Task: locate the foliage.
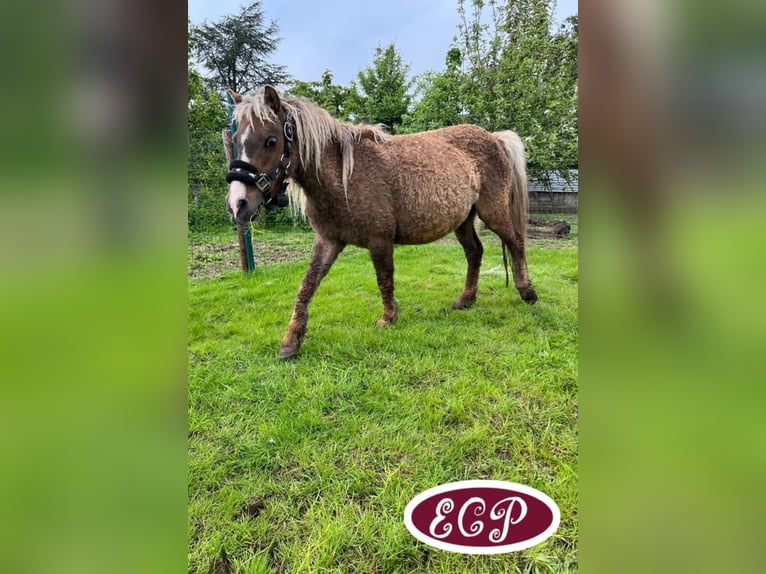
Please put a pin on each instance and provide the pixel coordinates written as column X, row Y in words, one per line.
column 520, row 78
column 306, row 466
column 235, row 49
column 384, row 88
column 508, row 71
column 340, row 101
column 207, row 164
column 205, row 111
column 441, row 102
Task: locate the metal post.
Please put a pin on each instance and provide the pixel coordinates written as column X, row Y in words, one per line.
column 243, row 232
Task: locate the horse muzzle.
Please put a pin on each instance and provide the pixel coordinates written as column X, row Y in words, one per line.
column 242, row 203
column 243, row 175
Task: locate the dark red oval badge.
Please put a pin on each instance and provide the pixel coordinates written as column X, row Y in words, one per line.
column 482, row 517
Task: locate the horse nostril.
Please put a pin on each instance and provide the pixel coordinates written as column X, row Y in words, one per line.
column 241, row 205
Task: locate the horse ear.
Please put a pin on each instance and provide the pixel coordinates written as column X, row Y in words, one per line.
column 271, row 97
column 235, row 96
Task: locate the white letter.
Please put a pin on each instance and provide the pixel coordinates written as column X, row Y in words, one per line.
column 495, row 514
column 476, row 527
column 444, row 507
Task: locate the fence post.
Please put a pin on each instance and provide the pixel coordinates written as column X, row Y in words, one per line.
column 243, row 232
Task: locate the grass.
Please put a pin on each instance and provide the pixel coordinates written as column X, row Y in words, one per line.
column 306, row 466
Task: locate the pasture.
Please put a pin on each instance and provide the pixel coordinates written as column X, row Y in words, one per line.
column 306, row 465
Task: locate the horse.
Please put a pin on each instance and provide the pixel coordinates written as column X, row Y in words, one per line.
column 365, row 187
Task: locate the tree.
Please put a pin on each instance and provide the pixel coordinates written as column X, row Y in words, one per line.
column 521, row 76
column 384, row 96
column 340, row 101
column 206, row 118
column 235, row 49
column 507, row 70
column 440, row 102
column 205, row 112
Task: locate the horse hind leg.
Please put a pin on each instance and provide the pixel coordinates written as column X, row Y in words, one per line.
column 468, row 238
column 499, row 221
column 519, row 266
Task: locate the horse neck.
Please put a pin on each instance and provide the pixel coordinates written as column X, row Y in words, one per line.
column 317, row 184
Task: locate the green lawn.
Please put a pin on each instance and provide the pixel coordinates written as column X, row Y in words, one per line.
column 307, row 465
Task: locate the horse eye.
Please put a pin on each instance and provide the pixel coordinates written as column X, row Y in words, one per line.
column 271, row 142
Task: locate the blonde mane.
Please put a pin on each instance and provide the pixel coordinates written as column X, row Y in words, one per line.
column 315, row 128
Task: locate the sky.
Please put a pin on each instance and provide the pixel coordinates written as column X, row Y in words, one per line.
column 341, row 35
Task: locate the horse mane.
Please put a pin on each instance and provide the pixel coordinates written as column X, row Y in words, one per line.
column 315, row 128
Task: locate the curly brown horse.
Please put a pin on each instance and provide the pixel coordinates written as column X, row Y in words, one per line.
column 364, row 187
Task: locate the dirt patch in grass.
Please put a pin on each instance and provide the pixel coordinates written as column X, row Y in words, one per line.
column 222, row 564
column 548, row 229
column 253, row 508
column 211, row 257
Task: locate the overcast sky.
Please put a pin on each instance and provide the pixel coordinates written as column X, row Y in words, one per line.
column 341, row 35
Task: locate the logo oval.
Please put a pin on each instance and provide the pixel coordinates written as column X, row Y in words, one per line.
column 482, row 517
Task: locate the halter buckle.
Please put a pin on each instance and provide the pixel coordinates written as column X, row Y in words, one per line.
column 263, row 183
column 288, row 129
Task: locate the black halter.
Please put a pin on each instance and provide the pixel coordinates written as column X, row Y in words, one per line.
column 248, row 174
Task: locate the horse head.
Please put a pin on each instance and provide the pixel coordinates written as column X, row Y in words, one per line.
column 263, row 143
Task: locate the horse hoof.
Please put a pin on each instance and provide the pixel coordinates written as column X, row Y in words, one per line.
column 384, row 322
column 530, row 296
column 287, row 353
column 462, row 304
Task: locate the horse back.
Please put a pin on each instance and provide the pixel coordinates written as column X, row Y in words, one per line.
column 412, row 188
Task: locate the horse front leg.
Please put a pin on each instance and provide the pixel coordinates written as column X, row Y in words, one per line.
column 324, row 254
column 382, row 254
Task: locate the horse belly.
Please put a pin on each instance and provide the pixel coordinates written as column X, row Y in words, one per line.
column 418, row 223
column 438, row 185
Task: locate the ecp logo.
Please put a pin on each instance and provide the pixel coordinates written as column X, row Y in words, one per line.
column 482, row 517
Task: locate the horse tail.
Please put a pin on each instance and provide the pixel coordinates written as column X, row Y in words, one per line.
column 519, row 200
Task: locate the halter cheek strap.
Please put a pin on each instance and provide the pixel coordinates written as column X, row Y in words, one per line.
column 248, row 174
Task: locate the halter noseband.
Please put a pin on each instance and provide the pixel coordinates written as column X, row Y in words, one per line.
column 248, row 174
